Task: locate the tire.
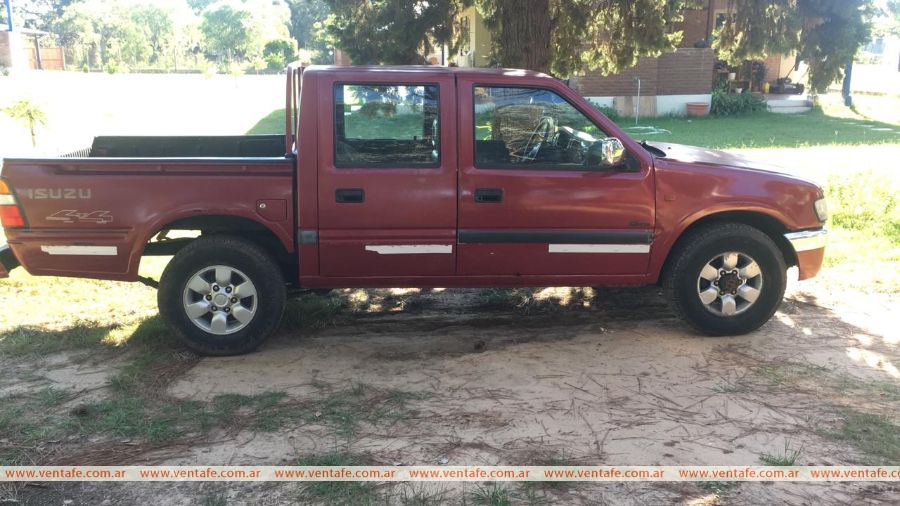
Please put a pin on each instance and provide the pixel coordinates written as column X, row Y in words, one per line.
column 695, row 284
column 245, row 315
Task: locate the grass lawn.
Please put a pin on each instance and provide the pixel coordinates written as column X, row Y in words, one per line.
column 875, row 120
column 767, row 130
column 833, row 125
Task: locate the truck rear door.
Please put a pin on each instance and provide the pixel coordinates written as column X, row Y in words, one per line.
column 387, row 174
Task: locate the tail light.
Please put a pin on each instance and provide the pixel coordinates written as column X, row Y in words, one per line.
column 10, row 214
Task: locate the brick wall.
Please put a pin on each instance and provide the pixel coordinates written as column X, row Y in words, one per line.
column 693, row 26
column 5, row 50
column 594, row 84
column 780, row 65
column 686, row 71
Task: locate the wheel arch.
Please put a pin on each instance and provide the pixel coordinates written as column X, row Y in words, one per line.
column 220, row 224
column 763, row 222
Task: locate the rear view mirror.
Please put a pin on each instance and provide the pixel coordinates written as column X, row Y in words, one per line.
column 606, row 153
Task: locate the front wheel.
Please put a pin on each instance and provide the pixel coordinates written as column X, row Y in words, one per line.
column 222, row 295
column 726, row 279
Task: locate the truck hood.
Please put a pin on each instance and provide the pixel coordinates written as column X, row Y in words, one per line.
column 694, row 154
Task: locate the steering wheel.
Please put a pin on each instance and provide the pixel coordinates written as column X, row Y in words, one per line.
column 540, row 135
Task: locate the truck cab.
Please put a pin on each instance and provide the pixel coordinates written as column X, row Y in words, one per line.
column 414, row 177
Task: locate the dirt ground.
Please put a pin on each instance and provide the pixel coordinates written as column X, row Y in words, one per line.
column 547, row 377
column 567, row 376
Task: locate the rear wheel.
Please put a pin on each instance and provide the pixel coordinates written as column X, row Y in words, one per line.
column 726, row 279
column 222, row 295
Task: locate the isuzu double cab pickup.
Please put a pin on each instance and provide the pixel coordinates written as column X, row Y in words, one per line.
column 413, row 177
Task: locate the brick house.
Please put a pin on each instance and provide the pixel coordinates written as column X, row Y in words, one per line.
column 667, row 82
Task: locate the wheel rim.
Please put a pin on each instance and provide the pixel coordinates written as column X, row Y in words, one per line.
column 729, row 283
column 220, row 300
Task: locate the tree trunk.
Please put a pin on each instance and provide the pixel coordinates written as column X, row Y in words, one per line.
column 523, row 40
column 33, row 133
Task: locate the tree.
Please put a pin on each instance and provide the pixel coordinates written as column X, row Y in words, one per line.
column 888, row 24
column 199, row 6
column 390, row 31
column 104, row 30
column 240, row 28
column 37, row 14
column 157, row 26
column 566, row 37
column 307, row 16
column 29, row 113
column 825, row 34
column 227, row 30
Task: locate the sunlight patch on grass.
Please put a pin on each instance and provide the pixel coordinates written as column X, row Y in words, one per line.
column 94, row 312
column 864, row 241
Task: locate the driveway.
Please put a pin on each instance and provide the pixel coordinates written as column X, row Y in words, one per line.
column 574, row 376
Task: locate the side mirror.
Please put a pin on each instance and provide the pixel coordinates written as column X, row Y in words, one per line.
column 606, row 153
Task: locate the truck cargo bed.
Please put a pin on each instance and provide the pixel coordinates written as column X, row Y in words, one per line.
column 243, row 146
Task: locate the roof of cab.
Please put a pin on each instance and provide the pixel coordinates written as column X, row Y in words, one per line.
column 422, row 69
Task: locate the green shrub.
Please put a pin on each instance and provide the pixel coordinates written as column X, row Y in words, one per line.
column 609, row 112
column 111, row 67
column 729, row 104
column 275, row 61
column 85, row 68
column 865, row 202
column 278, row 53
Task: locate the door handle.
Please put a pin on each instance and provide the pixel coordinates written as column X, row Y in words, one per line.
column 489, row 195
column 349, row 195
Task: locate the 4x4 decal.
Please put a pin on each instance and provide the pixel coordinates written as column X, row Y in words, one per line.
column 74, row 216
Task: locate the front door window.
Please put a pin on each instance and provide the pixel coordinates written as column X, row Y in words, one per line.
column 531, row 127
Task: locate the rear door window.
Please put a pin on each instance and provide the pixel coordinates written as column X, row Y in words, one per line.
column 386, row 125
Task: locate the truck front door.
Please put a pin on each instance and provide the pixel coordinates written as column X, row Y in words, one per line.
column 387, row 175
column 532, row 198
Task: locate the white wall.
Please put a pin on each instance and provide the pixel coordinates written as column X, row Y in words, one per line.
column 676, row 104
column 665, row 104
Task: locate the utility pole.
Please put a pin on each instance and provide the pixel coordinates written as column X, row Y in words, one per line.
column 9, row 23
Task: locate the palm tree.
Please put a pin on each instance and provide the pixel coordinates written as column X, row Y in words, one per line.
column 28, row 112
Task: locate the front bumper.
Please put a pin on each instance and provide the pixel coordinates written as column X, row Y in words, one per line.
column 8, row 261
column 809, row 246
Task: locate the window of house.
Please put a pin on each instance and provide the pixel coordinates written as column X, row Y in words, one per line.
column 518, row 127
column 386, row 125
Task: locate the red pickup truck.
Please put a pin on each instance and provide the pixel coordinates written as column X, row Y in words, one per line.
column 413, row 177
